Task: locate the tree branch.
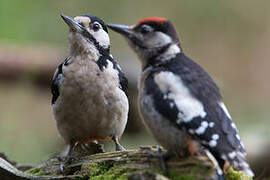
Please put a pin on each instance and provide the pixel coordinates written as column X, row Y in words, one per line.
column 130, row 165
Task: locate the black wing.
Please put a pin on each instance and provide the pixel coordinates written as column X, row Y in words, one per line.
column 123, row 80
column 57, row 79
column 203, row 88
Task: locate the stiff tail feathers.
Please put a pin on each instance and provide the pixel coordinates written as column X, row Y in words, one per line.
column 239, row 162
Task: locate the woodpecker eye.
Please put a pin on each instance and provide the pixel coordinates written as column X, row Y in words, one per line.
column 145, row 29
column 96, row 26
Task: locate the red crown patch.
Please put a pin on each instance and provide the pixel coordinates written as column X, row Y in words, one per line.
column 156, row 19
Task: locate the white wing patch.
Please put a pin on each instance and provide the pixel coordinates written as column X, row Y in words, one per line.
column 214, row 140
column 222, row 105
column 232, row 154
column 213, row 143
column 189, row 107
column 211, row 124
column 201, row 129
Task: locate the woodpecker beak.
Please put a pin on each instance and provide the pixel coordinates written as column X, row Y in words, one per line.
column 122, row 29
column 73, row 25
column 129, row 33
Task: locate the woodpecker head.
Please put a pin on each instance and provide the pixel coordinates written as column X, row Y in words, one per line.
column 151, row 38
column 87, row 34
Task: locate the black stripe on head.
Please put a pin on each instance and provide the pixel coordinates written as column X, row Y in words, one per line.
column 165, row 26
column 152, row 59
column 96, row 19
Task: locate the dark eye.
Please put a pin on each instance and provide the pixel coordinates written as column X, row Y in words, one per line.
column 96, row 27
column 145, row 29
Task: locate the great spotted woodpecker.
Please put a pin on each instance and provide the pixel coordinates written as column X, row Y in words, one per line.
column 179, row 102
column 89, row 89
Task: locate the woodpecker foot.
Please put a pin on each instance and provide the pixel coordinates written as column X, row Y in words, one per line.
column 118, row 146
column 65, row 161
column 163, row 157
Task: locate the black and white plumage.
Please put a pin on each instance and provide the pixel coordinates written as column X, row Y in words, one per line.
column 179, row 102
column 89, row 89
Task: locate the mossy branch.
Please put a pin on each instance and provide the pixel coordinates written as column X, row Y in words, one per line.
column 126, row 165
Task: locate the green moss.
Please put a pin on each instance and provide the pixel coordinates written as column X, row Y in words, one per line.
column 80, row 178
column 186, row 173
column 185, row 177
column 35, row 171
column 103, row 177
column 112, row 170
column 182, row 176
column 109, row 177
column 107, row 170
column 177, row 175
column 123, row 177
column 236, row 175
column 190, row 173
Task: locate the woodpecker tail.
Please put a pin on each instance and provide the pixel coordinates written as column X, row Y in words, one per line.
column 237, row 159
column 239, row 162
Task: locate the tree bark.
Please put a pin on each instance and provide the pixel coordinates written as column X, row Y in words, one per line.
column 125, row 165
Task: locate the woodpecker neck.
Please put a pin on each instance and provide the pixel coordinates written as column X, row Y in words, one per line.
column 79, row 45
column 164, row 55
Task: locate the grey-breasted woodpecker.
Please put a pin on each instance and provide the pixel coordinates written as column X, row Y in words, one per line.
column 179, row 102
column 89, row 89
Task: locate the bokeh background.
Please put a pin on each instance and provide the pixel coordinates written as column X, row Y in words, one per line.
column 230, row 39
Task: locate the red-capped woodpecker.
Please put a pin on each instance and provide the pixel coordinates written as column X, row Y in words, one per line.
column 179, row 102
column 89, row 89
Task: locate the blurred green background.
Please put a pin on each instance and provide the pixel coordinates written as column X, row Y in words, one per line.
column 230, row 39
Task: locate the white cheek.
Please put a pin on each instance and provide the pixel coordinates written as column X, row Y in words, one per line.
column 102, row 38
column 158, row 39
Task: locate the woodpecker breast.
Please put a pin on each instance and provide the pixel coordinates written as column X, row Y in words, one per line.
column 91, row 103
